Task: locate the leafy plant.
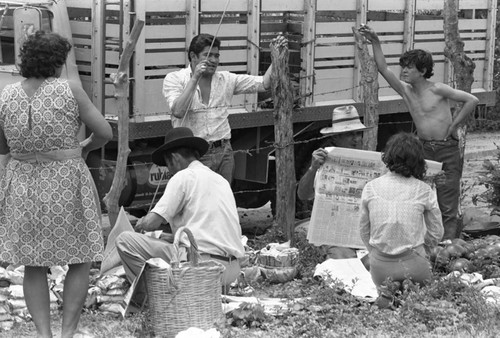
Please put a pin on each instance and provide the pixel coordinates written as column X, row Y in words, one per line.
column 491, row 181
column 248, row 315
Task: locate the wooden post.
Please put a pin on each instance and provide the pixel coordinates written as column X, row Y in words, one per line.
column 463, row 66
column 369, row 86
column 120, row 81
column 253, row 51
column 283, row 131
column 361, row 18
column 307, row 68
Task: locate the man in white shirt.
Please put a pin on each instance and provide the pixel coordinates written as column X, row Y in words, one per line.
column 195, row 197
column 198, row 97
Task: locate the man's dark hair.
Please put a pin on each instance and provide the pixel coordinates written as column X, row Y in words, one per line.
column 420, row 58
column 201, row 41
column 42, row 54
column 184, row 152
column 404, row 155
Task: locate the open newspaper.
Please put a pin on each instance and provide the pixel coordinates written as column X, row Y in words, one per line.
column 337, row 197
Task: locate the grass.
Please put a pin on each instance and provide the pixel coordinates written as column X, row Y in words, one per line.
column 444, row 308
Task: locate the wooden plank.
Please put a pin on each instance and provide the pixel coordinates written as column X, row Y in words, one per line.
column 334, row 64
column 164, row 5
column 439, row 36
column 334, row 52
column 153, row 98
column 168, row 46
column 282, row 5
column 79, row 3
column 328, row 81
column 164, row 59
column 361, row 19
column 225, row 31
column 139, row 61
column 387, row 27
column 174, row 58
column 220, row 5
column 81, row 42
column 326, row 5
column 331, row 40
column 463, row 4
column 335, row 28
column 386, row 5
column 308, row 52
column 192, row 23
column 165, row 31
column 488, row 68
column 463, row 25
column 97, row 56
column 253, row 53
column 409, row 25
column 80, row 27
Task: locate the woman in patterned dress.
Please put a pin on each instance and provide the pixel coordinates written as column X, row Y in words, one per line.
column 49, row 210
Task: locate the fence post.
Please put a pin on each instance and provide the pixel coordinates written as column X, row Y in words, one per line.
column 369, row 85
column 283, row 132
column 120, row 81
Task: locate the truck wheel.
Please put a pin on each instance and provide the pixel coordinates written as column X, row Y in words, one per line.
column 103, row 173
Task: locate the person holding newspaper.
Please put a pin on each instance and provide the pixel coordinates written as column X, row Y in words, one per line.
column 346, row 132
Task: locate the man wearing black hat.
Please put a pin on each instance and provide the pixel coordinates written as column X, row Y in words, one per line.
column 195, row 197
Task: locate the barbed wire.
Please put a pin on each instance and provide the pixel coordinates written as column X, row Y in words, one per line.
column 297, row 97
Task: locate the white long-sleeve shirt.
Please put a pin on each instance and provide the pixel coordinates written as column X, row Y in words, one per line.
column 399, row 213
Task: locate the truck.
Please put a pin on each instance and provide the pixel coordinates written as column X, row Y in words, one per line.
column 324, row 70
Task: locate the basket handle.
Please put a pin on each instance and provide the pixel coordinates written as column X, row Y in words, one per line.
column 193, row 255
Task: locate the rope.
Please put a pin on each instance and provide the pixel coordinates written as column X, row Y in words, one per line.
column 209, row 51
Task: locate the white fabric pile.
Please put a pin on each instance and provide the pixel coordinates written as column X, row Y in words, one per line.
column 12, row 303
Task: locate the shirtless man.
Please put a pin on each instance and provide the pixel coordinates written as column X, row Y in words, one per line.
column 428, row 103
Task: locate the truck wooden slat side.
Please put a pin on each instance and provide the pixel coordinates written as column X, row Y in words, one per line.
column 324, row 69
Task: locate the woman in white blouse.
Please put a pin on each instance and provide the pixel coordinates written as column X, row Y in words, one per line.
column 400, row 217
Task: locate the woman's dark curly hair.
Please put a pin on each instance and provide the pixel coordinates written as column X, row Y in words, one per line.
column 419, row 58
column 404, row 155
column 42, row 54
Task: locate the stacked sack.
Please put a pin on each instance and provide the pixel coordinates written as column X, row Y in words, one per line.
column 109, row 293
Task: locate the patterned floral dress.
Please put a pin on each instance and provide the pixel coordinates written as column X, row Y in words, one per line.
column 49, row 211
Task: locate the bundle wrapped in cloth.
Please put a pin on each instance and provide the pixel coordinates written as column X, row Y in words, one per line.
column 278, row 262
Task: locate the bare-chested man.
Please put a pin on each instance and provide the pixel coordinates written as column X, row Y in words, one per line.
column 428, row 104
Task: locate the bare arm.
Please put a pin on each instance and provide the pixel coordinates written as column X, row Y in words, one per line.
column 92, row 118
column 305, row 190
column 433, row 222
column 152, row 221
column 379, row 57
column 468, row 100
column 364, row 220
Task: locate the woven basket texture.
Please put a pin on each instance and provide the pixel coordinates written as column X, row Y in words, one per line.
column 185, row 295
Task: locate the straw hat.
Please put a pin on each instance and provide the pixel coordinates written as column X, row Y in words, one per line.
column 344, row 120
column 179, row 137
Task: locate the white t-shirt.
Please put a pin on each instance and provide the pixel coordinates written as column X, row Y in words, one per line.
column 202, row 200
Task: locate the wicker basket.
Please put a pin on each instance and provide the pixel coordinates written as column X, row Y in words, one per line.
column 185, row 295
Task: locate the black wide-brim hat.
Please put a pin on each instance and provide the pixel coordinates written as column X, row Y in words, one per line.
column 179, row 137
